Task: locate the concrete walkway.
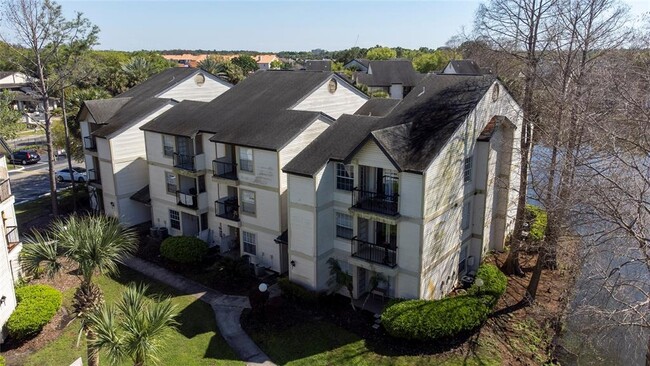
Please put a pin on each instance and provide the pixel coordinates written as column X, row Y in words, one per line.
column 227, row 309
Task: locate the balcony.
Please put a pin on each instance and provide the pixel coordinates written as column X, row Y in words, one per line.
column 89, row 143
column 12, row 237
column 385, row 254
column 224, row 168
column 386, row 204
column 188, row 200
column 5, row 190
column 185, row 162
column 94, row 176
column 228, row 208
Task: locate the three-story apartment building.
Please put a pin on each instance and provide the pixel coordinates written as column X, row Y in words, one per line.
column 215, row 168
column 10, row 246
column 417, row 191
column 114, row 145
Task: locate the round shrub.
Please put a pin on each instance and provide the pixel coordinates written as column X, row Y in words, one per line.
column 183, row 249
column 494, row 283
column 427, row 320
column 3, row 362
column 37, row 304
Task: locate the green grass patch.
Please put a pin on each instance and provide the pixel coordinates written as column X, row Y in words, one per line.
column 323, row 343
column 195, row 342
column 28, row 211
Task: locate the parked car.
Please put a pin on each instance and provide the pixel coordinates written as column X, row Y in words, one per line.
column 78, row 174
column 25, row 157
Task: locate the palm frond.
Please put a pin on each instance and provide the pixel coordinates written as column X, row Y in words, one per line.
column 95, row 243
column 40, row 254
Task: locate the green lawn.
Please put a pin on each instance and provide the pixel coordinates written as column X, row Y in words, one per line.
column 323, row 343
column 28, row 211
column 195, row 342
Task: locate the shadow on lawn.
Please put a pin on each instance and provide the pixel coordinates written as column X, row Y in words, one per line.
column 291, row 332
column 194, row 319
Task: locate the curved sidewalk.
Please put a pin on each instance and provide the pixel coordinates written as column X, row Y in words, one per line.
column 227, row 309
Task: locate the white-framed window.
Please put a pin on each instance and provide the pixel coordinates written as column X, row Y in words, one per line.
column 344, row 177
column 343, row 225
column 246, row 159
column 467, row 206
column 175, row 219
column 248, row 201
column 250, row 242
column 170, row 180
column 467, row 170
column 168, row 145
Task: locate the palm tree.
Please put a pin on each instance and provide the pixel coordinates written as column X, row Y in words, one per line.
column 138, row 69
column 222, row 68
column 340, row 279
column 212, row 64
column 94, row 244
column 133, row 328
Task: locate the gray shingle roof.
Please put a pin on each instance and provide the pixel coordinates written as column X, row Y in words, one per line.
column 179, row 120
column 130, row 113
column 142, row 196
column 159, row 82
column 412, row 134
column 335, row 143
column 377, row 107
column 465, row 67
column 318, row 65
column 256, row 111
column 103, row 109
column 388, row 72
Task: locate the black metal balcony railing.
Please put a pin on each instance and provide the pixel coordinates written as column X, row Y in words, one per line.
column 376, row 202
column 5, row 190
column 385, row 254
column 224, row 168
column 12, row 237
column 89, row 143
column 185, row 162
column 187, row 199
column 227, row 208
column 93, row 176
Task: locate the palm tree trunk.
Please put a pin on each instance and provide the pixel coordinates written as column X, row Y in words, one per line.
column 93, row 353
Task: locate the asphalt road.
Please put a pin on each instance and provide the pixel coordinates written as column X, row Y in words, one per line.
column 33, row 181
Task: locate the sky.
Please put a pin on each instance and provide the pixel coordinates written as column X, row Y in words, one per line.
column 279, row 26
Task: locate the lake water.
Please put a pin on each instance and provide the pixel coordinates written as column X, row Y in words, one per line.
column 585, row 341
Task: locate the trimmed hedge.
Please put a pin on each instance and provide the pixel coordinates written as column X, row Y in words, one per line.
column 37, row 305
column 431, row 320
column 296, row 292
column 538, row 222
column 183, row 249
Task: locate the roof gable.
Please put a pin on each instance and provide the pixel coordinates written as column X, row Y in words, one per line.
column 345, row 98
column 191, row 88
